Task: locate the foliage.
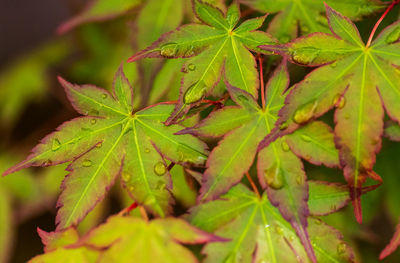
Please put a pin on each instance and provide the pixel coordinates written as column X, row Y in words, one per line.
column 205, row 152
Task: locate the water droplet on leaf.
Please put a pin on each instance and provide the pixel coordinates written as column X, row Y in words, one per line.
column 285, row 146
column 273, row 177
column 191, row 67
column 341, row 248
column 93, row 121
column 87, row 163
column 55, row 145
column 150, row 200
column 283, row 126
column 147, row 150
column 104, row 96
column 194, row 93
column 305, row 113
column 279, row 230
column 169, row 50
column 126, row 176
column 333, row 65
column 131, row 188
column 160, row 185
column 305, row 138
column 160, row 169
column 305, row 56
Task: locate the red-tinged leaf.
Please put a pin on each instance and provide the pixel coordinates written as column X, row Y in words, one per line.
column 59, row 247
column 99, row 10
column 392, row 131
column 326, row 198
column 280, row 171
column 216, row 45
column 113, row 139
column 131, row 239
column 314, row 143
column 258, row 232
column 392, row 246
column 303, row 17
column 360, row 82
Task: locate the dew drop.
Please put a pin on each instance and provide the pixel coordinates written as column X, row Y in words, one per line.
column 305, row 56
column 160, row 185
column 194, row 93
column 299, row 180
column 104, row 96
column 341, row 102
column 150, row 200
column 279, row 230
column 94, row 113
column 147, row 150
column 393, row 36
column 169, row 50
column 341, row 248
column 93, row 121
column 305, row 138
column 99, row 144
column 285, row 146
column 55, row 145
column 131, row 188
column 273, row 177
column 333, row 65
column 318, row 221
column 126, row 176
column 267, row 226
column 305, row 113
column 87, row 163
column 191, row 67
column 305, row 29
column 160, row 169
column 283, row 126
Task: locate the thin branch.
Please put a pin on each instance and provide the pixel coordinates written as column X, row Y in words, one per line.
column 143, row 213
column 253, row 185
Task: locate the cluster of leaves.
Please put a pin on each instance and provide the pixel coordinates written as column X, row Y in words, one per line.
column 224, row 117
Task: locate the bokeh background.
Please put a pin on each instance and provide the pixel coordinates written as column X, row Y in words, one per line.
column 32, row 104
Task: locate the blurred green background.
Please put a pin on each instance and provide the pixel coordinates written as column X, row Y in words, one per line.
column 32, row 104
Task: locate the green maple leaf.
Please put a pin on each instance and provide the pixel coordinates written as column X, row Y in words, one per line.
column 280, row 171
column 58, row 248
column 216, row 44
column 131, row 239
column 113, row 139
column 392, row 131
column 308, row 15
column 360, row 80
column 259, row 233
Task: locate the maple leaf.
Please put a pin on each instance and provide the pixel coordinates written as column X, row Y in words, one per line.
column 216, row 44
column 392, row 246
column 308, row 15
column 259, row 233
column 58, row 248
column 280, row 171
column 131, row 239
column 99, row 10
column 360, row 80
column 113, row 139
column 392, row 131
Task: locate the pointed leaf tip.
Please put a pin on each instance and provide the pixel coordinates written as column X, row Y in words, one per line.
column 393, row 245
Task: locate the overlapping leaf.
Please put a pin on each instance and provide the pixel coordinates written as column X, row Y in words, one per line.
column 218, row 43
column 131, row 239
column 308, row 15
column 359, row 80
column 99, row 10
column 280, row 171
column 258, row 232
column 392, row 246
column 58, row 248
column 112, row 139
